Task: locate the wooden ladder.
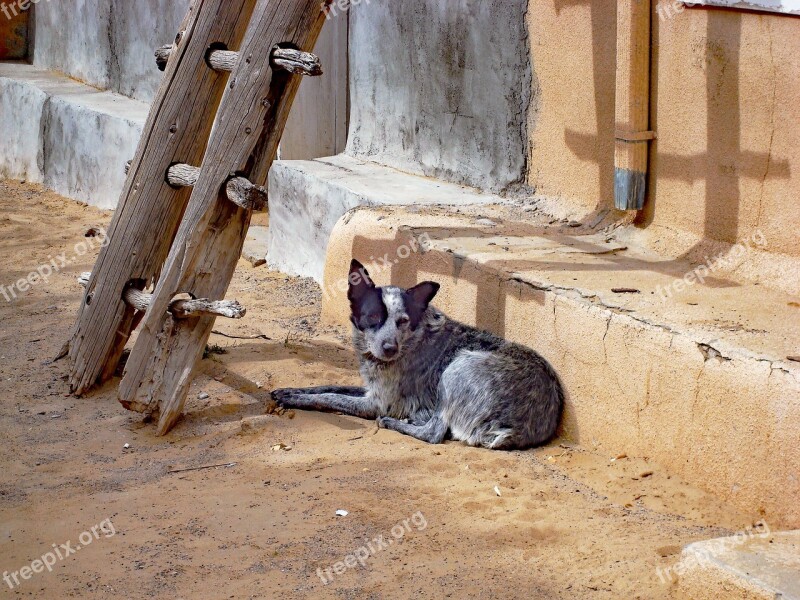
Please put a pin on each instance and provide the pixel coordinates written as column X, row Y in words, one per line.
column 179, row 227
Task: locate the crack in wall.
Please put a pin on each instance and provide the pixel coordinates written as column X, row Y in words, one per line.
column 706, row 348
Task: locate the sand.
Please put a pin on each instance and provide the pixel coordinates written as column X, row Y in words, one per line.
column 456, row 522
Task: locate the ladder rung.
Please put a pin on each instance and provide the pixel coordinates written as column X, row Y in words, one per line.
column 219, row 60
column 223, row 60
column 180, row 309
column 238, row 189
column 296, row 61
column 162, row 56
column 181, row 175
column 288, row 59
column 249, row 196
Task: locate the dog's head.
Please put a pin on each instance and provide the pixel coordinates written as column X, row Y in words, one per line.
column 386, row 318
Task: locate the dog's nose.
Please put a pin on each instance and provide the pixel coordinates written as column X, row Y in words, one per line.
column 389, row 349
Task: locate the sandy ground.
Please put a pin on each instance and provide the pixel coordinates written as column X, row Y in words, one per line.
column 457, row 522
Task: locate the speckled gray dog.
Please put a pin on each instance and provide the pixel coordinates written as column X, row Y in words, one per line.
column 430, row 377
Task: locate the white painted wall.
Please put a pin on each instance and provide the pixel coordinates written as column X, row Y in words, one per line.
column 107, row 44
column 442, row 89
column 317, row 125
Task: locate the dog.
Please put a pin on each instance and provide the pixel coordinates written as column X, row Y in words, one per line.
column 433, row 378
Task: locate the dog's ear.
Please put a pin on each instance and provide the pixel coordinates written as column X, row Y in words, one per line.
column 422, row 294
column 359, row 280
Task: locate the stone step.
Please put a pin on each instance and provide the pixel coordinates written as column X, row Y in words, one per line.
column 695, row 376
column 308, row 197
column 71, row 137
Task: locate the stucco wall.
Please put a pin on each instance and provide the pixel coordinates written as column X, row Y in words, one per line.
column 108, row 44
column 725, row 104
column 441, row 88
column 727, row 111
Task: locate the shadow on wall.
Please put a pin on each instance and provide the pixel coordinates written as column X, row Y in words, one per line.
column 491, row 292
column 598, row 148
column 721, row 167
column 724, row 163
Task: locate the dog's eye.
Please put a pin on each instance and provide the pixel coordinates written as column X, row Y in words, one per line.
column 402, row 320
column 374, row 320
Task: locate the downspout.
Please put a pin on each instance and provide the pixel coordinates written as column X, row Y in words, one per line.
column 632, row 104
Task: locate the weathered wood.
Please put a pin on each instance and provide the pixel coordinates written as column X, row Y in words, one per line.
column 239, row 190
column 150, row 210
column 288, row 59
column 223, row 60
column 243, row 193
column 181, row 175
column 181, row 308
column 208, row 245
column 219, row 60
column 296, row 61
column 188, row 309
column 162, row 56
column 632, row 104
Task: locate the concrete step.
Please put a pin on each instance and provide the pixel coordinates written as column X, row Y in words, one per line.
column 308, row 197
column 752, row 565
column 695, row 376
column 71, row 137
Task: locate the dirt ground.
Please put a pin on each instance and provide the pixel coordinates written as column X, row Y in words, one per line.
column 456, row 522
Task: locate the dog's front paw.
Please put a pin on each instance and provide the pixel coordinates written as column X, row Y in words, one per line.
column 283, row 396
column 383, row 422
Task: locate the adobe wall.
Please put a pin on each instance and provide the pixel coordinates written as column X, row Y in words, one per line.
column 725, row 105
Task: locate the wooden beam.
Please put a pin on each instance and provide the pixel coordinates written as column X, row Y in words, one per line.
column 181, row 175
column 247, row 195
column 209, row 242
column 238, row 189
column 297, row 62
column 181, row 308
column 223, row 60
column 288, row 59
column 149, row 210
column 632, row 104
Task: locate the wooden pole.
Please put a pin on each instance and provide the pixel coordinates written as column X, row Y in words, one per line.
column 149, row 209
column 208, row 244
column 632, row 104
